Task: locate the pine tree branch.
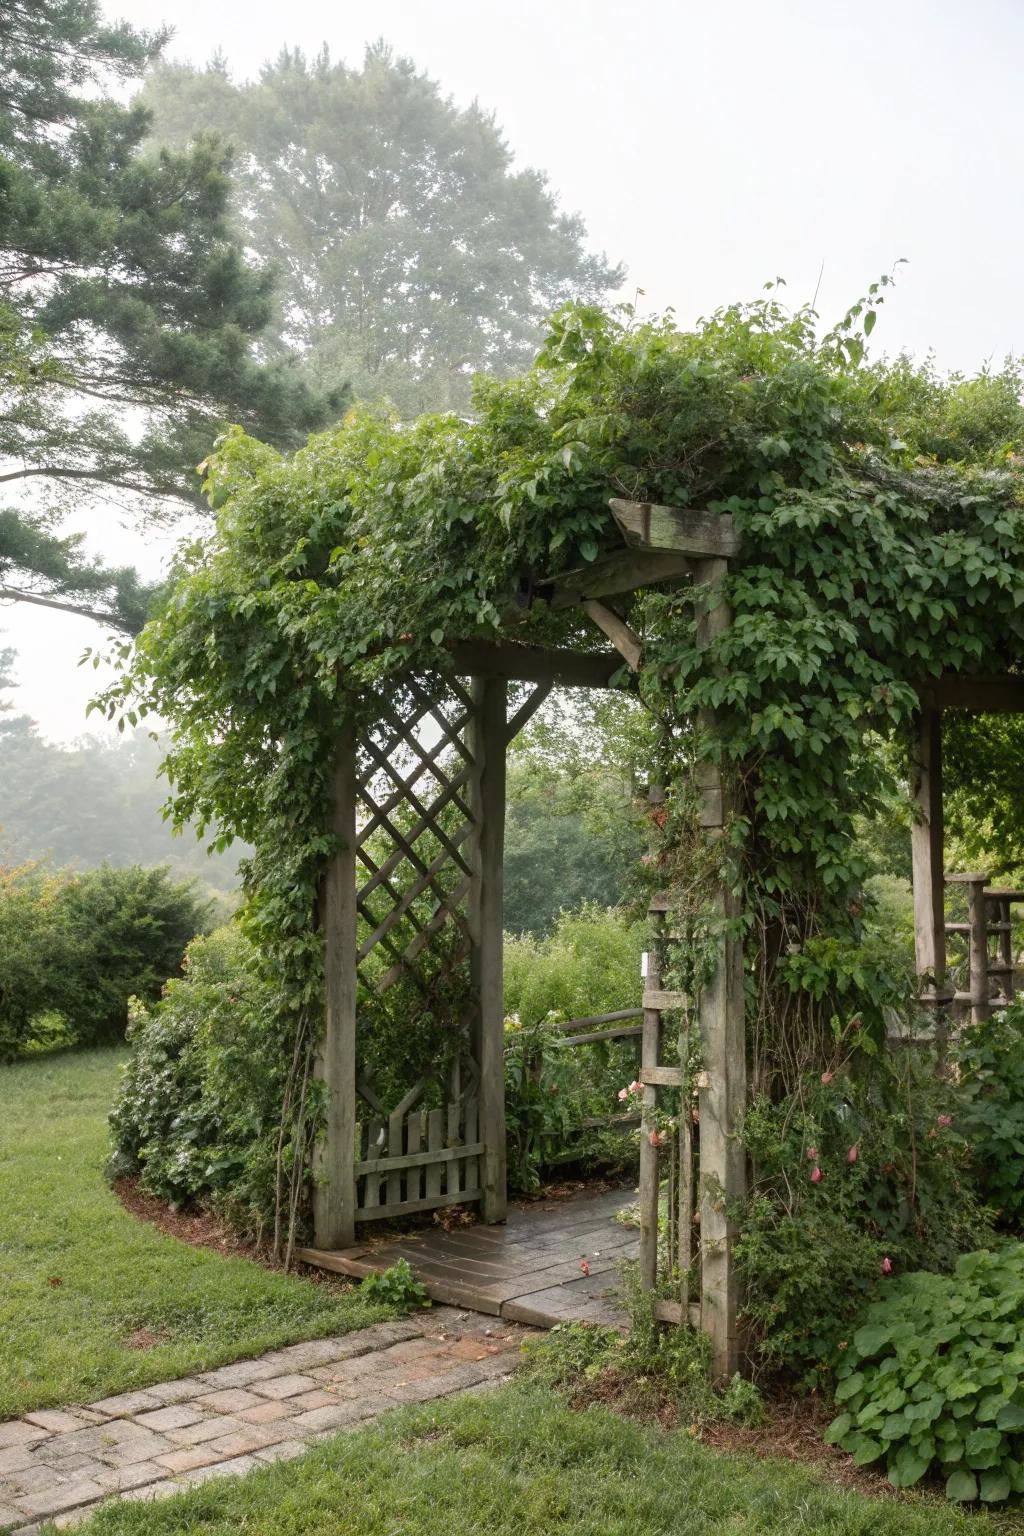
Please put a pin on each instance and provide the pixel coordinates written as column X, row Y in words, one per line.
column 13, row 595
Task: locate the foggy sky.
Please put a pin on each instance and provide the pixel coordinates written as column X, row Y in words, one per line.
column 710, row 146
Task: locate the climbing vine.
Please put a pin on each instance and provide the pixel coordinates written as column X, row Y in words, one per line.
column 881, row 511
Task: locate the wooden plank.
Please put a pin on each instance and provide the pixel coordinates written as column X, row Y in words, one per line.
column 435, row 1143
column 926, row 847
column 662, row 1077
column 488, row 732
column 657, row 997
column 625, row 640
column 419, row 1159
column 683, row 530
column 1001, row 694
column 454, row 1182
column 978, row 919
column 620, row 574
column 334, row 1186
column 535, row 663
column 592, row 1019
column 471, row 1170
column 415, row 1126
column 412, row 1207
column 623, row 1033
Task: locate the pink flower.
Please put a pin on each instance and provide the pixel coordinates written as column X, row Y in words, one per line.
column 812, row 1154
column 584, row 1267
column 815, row 1174
column 944, row 1120
column 623, row 1095
column 635, row 1087
column 932, row 1134
column 654, row 1139
column 886, row 1265
column 851, row 1156
column 827, row 1077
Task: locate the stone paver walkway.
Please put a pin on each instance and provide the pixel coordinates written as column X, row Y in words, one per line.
column 58, row 1464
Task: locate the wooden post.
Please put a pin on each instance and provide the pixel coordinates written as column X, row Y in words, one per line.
column 334, row 1189
column 926, row 839
column 977, row 922
column 650, row 1172
column 487, row 739
column 721, row 1017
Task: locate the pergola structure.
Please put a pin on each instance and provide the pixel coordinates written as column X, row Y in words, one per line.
column 418, row 813
column 419, row 819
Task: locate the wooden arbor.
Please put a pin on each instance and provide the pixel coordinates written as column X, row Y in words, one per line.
column 416, row 889
column 988, row 909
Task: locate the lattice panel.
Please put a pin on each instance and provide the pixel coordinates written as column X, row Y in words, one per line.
column 414, row 826
column 415, row 848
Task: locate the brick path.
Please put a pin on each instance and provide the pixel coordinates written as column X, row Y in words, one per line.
column 59, row 1464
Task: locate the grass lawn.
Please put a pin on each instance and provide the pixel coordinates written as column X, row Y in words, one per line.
column 519, row 1463
column 79, row 1276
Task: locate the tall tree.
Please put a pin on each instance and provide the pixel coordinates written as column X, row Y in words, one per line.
column 413, row 253
column 130, row 318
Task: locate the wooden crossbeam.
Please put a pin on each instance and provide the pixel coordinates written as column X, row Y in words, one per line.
column 618, row 575
column 535, row 663
column 682, row 530
column 984, row 695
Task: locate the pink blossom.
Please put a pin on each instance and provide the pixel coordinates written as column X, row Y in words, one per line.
column 851, row 1156
column 815, row 1174
column 886, row 1265
column 623, row 1095
column 654, row 1139
column 812, row 1154
column 584, row 1267
column 635, row 1087
column 827, row 1077
column 944, row 1120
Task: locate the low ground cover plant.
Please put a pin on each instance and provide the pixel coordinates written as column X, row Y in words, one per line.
column 934, row 1379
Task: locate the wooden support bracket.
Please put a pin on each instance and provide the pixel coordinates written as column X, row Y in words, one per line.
column 625, row 640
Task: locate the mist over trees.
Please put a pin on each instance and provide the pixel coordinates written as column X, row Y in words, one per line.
column 129, row 314
column 412, row 253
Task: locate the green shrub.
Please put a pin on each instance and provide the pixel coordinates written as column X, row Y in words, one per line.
column 865, row 1167
column 590, row 964
column 74, row 948
column 934, row 1379
column 990, row 1062
column 199, row 1104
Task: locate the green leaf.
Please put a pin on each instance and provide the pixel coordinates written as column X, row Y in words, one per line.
column 962, row 1486
column 838, row 1428
column 589, row 549
column 1010, row 1417
column 870, row 1340
column 995, row 1486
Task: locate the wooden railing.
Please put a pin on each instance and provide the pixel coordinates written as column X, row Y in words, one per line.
column 989, row 916
column 621, row 1031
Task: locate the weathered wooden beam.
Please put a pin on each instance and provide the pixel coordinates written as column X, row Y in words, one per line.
column 535, row 663
column 625, row 640
column 488, row 734
column 926, row 846
column 989, row 695
column 618, row 575
column 334, row 1187
column 682, row 530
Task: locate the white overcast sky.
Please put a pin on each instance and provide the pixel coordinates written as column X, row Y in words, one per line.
column 708, row 144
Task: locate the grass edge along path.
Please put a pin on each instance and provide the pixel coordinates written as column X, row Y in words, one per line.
column 517, row 1461
column 82, row 1281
